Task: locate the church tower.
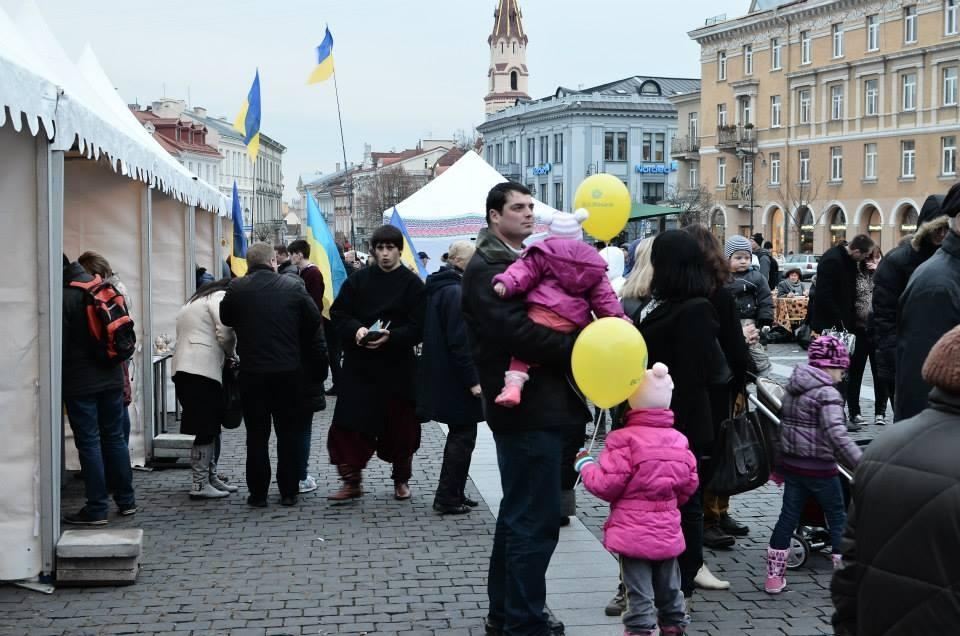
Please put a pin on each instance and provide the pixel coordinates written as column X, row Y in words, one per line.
column 507, row 77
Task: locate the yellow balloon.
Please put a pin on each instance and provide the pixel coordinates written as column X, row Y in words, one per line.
column 608, row 201
column 609, row 361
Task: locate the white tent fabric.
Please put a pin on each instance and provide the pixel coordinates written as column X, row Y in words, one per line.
column 451, row 207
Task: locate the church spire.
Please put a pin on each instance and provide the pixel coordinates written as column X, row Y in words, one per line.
column 507, row 75
column 508, row 22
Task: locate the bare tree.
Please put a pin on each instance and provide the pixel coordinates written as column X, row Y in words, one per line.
column 380, row 190
column 795, row 199
column 694, row 204
column 467, row 140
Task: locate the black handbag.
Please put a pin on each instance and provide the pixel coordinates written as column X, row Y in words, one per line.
column 232, row 408
column 741, row 460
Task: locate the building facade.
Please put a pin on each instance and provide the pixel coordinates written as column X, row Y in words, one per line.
column 624, row 128
column 823, row 119
column 508, row 75
column 189, row 142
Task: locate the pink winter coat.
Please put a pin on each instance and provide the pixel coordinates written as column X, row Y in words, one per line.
column 646, row 472
column 566, row 276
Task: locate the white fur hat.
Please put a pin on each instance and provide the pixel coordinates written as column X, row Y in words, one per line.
column 565, row 225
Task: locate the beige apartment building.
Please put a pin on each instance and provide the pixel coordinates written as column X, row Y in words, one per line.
column 822, row 119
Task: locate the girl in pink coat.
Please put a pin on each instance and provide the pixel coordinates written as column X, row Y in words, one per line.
column 646, row 472
column 564, row 280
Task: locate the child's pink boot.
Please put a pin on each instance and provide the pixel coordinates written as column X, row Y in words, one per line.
column 513, row 382
column 776, row 568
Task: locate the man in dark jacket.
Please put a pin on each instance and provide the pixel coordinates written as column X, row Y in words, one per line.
column 276, row 321
column 376, row 393
column 764, row 258
column 891, row 279
column 929, row 307
column 285, row 264
column 529, row 437
column 93, row 396
column 448, row 388
column 900, row 550
column 837, row 284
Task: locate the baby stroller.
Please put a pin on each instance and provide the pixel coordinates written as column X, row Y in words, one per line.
column 812, row 534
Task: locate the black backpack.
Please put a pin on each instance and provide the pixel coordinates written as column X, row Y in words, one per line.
column 774, row 278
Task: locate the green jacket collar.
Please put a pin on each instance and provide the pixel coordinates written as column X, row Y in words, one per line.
column 492, row 249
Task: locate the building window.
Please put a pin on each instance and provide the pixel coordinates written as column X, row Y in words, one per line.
column 950, row 86
column 659, row 145
column 775, row 54
column 748, row 59
column 805, row 106
column 721, row 114
column 499, row 153
column 908, row 159
column 544, row 149
column 621, row 146
column 721, row 66
column 804, row 166
column 908, row 82
column 513, row 80
column 870, row 161
column 745, row 108
column 950, row 17
column 948, row 147
column 558, row 196
column 910, row 24
column 490, row 154
column 873, row 32
column 558, row 148
column 531, row 151
column 805, row 47
column 836, row 102
column 836, row 163
column 693, row 126
column 615, row 146
column 646, row 153
column 692, row 176
column 511, row 153
column 837, row 31
column 721, row 172
column 775, row 111
column 872, row 89
column 774, row 168
column 652, row 193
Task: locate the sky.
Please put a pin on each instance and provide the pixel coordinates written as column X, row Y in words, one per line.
column 407, row 70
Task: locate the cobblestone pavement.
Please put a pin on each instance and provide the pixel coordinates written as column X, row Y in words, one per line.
column 375, row 566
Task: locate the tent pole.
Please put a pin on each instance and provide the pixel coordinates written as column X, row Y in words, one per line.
column 189, row 249
column 50, row 329
column 146, row 320
column 217, row 246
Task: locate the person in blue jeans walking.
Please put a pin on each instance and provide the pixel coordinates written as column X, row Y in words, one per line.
column 93, row 396
column 530, row 436
column 813, row 435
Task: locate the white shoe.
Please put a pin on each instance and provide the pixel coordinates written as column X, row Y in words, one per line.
column 308, row 485
column 707, row 581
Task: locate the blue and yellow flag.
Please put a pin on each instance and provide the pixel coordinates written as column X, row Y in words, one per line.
column 409, row 254
column 248, row 121
column 324, row 67
column 324, row 254
column 238, row 254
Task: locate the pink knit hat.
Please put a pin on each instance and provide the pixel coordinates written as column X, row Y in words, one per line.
column 568, row 226
column 827, row 352
column 656, row 391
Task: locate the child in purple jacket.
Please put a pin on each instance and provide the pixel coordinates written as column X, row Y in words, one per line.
column 646, row 472
column 564, row 279
column 813, row 435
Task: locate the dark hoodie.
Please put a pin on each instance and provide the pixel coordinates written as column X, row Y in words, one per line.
column 84, row 373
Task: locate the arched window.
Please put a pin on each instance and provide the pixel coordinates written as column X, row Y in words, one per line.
column 514, row 46
column 501, row 47
column 650, row 88
column 838, row 226
column 513, row 80
column 806, row 230
column 908, row 220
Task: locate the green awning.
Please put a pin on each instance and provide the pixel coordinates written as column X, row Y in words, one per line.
column 647, row 211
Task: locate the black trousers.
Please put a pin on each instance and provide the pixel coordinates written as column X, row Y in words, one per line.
column 457, row 453
column 266, row 398
column 334, row 351
column 864, row 350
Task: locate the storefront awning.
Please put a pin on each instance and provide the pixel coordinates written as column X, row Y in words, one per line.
column 647, row 211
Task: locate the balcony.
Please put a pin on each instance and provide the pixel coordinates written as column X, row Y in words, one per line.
column 510, row 171
column 740, row 139
column 738, row 194
column 685, row 148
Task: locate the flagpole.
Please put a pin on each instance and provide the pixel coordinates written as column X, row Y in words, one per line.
column 343, row 147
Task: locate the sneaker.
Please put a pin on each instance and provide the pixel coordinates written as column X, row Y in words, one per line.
column 467, row 501
column 84, row 518
column 880, row 420
column 128, row 510
column 706, row 580
column 308, row 485
column 853, row 425
column 617, row 605
column 715, row 538
column 460, row 509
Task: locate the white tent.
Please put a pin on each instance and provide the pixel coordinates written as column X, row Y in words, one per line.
column 451, row 207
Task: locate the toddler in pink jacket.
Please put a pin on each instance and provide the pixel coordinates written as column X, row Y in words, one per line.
column 646, row 472
column 565, row 282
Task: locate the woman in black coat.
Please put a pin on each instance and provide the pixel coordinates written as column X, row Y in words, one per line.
column 449, row 387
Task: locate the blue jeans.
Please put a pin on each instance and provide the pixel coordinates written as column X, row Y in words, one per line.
column 97, row 424
column 797, row 489
column 528, row 528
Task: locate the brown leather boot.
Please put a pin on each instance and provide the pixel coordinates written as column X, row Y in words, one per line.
column 351, row 488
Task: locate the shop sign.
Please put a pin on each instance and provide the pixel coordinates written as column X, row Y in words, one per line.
column 542, row 169
column 657, row 168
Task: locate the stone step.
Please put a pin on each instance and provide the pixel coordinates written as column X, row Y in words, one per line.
column 100, row 576
column 173, row 440
column 105, row 563
column 101, row 543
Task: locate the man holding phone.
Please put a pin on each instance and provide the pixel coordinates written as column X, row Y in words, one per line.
column 378, row 317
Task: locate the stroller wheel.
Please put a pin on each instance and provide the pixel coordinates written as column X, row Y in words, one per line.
column 799, row 551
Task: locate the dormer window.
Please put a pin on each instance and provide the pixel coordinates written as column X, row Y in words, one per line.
column 650, row 88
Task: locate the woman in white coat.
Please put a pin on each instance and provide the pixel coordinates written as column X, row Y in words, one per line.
column 203, row 343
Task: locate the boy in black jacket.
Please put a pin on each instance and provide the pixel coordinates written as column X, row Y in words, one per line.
column 752, row 293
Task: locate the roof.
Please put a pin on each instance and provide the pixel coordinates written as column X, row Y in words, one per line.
column 225, row 129
column 647, row 211
column 632, row 85
column 171, row 144
column 508, row 21
column 452, row 156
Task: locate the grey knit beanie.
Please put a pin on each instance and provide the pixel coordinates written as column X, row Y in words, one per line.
column 737, row 243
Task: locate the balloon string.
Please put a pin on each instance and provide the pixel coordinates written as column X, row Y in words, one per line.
column 593, row 440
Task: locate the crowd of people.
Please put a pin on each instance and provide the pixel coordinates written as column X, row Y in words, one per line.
column 489, row 337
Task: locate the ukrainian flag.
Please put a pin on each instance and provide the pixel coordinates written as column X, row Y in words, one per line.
column 248, row 121
column 238, row 255
column 324, row 68
column 324, row 254
column 409, row 254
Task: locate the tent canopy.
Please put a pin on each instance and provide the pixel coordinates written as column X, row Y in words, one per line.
column 647, row 211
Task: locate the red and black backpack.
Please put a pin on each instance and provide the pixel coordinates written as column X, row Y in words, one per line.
column 108, row 319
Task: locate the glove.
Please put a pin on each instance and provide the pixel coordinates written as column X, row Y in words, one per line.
column 776, row 477
column 583, row 458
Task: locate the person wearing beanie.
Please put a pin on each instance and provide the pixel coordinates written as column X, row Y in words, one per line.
column 813, row 436
column 751, row 292
column 900, row 550
column 565, row 283
column 928, row 307
column 646, row 471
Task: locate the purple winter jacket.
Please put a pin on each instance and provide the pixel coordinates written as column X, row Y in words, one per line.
column 566, row 276
column 813, row 432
